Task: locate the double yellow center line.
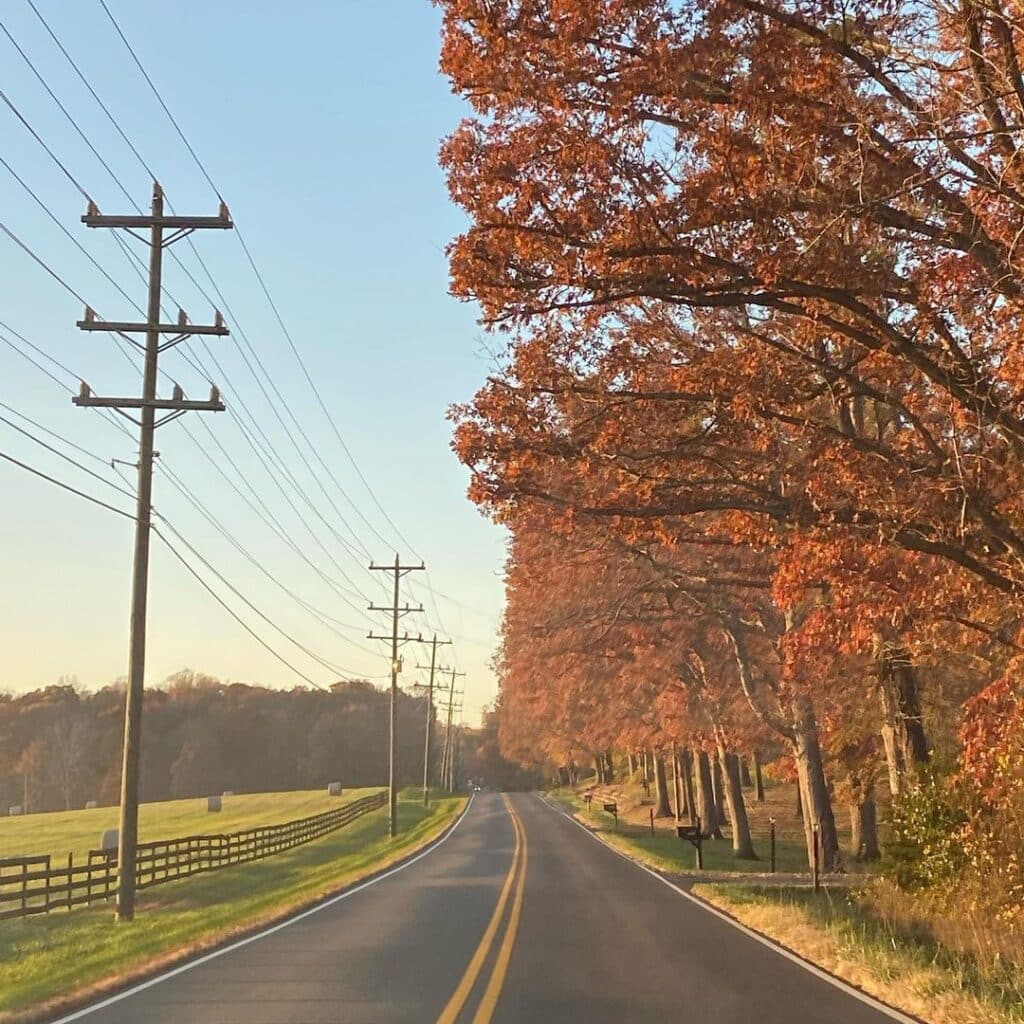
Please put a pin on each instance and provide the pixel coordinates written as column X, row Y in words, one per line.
column 516, row 879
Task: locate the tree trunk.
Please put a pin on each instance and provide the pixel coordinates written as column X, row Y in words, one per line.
column 758, row 777
column 609, row 767
column 677, row 786
column 632, row 767
column 705, row 796
column 717, row 786
column 742, row 847
column 799, row 802
column 686, row 766
column 816, row 800
column 863, row 821
column 903, row 735
column 745, row 779
column 662, row 808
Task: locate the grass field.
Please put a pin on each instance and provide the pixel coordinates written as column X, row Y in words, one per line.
column 667, row 852
column 62, row 832
column 46, row 960
column 904, row 967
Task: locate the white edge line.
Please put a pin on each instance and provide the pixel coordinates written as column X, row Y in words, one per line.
column 795, row 958
column 207, row 957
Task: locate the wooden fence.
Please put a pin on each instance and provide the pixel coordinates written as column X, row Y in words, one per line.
column 35, row 885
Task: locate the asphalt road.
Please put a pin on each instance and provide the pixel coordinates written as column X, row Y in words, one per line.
column 518, row 917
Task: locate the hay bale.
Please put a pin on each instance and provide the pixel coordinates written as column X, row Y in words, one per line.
column 14, row 811
column 90, row 805
column 334, row 789
column 213, row 804
column 228, row 792
column 109, row 839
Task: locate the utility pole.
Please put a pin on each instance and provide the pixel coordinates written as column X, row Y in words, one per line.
column 148, row 405
column 447, row 772
column 434, row 644
column 399, row 571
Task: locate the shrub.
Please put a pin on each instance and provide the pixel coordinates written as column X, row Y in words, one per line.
column 926, row 847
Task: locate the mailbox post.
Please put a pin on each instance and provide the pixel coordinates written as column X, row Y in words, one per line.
column 613, row 809
column 692, row 834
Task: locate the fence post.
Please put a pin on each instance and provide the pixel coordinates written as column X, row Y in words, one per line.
column 771, row 837
column 700, row 844
column 71, row 864
column 651, row 809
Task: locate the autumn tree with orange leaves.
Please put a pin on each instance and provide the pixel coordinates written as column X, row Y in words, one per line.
column 760, row 269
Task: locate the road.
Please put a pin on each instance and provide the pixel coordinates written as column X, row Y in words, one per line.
column 518, row 917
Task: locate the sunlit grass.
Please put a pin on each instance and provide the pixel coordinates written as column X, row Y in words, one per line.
column 53, row 956
column 665, row 851
column 62, row 832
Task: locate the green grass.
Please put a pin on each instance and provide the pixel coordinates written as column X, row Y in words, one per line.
column 53, row 956
column 906, row 966
column 667, row 852
column 62, row 832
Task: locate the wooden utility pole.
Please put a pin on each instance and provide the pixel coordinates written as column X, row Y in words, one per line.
column 399, row 571
column 148, row 406
column 429, row 728
column 447, row 765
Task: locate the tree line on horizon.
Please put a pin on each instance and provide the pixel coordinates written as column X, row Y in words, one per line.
column 756, row 419
column 60, row 746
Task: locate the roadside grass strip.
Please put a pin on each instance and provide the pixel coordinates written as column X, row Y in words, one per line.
column 838, row 932
column 665, row 851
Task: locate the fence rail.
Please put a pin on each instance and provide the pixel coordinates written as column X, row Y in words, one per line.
column 37, row 885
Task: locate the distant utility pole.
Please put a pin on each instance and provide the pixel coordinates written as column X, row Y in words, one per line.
column 447, row 771
column 434, row 644
column 399, row 571
column 148, row 405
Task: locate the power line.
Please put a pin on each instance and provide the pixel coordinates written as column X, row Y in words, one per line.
column 181, row 134
column 92, row 91
column 64, row 486
column 64, row 110
column 294, row 483
column 190, row 497
column 265, row 289
column 177, row 554
column 57, row 452
column 71, row 373
column 53, row 156
column 284, row 661
column 323, row 662
column 256, row 271
column 74, row 241
column 42, row 263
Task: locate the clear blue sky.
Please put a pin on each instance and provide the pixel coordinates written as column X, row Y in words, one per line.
column 319, row 122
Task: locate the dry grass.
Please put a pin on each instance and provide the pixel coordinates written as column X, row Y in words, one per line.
column 907, row 969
